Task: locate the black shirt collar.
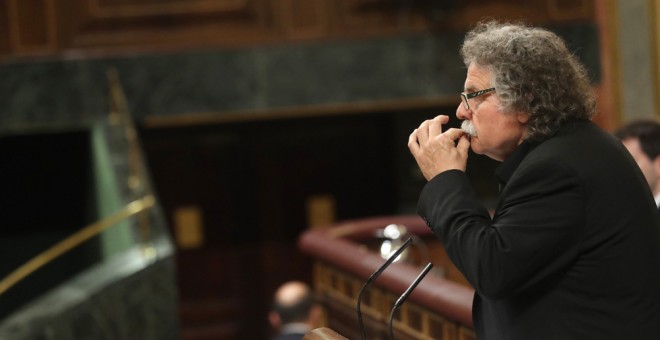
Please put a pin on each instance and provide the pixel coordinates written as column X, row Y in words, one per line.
column 505, row 170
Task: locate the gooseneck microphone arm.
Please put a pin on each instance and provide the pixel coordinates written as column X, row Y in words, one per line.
column 405, row 294
column 375, row 276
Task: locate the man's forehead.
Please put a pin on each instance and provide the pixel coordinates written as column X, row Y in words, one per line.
column 477, row 78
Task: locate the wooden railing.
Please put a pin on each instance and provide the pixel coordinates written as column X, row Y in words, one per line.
column 438, row 308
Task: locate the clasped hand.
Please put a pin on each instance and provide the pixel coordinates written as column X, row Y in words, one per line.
column 436, row 151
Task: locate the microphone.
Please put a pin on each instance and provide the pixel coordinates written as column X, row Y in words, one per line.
column 375, row 276
column 405, row 294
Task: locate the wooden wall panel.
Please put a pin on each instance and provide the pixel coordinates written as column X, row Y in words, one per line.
column 31, row 26
column 83, row 27
column 122, row 25
column 4, row 28
column 145, row 8
column 570, row 9
column 530, row 11
column 368, row 17
column 303, row 19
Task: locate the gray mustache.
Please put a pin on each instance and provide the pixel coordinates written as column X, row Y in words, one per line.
column 468, row 128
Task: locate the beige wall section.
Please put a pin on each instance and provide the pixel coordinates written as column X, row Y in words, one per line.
column 655, row 36
column 636, row 34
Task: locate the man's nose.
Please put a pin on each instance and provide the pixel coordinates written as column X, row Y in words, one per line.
column 462, row 113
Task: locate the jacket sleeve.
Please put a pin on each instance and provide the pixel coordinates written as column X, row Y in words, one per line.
column 532, row 237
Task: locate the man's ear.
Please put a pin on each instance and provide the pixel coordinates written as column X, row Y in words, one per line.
column 655, row 165
column 522, row 117
column 274, row 320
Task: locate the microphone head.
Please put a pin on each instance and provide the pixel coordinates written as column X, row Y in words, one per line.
column 394, row 236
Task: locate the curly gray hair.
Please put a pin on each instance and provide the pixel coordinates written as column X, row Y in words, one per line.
column 533, row 72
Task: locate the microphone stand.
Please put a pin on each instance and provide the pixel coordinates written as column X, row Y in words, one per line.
column 405, row 294
column 375, row 276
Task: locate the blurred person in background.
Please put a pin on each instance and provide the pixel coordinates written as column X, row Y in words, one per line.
column 294, row 311
column 642, row 139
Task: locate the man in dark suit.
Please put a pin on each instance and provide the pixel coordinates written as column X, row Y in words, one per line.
column 642, row 139
column 294, row 311
column 572, row 250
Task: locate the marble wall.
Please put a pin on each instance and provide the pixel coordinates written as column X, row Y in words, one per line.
column 128, row 297
column 72, row 93
column 129, row 291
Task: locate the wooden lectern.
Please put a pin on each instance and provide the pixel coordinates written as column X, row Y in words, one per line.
column 323, row 333
column 346, row 254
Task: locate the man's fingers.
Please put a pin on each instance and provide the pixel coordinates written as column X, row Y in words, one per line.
column 413, row 144
column 435, row 125
column 454, row 133
column 422, row 132
column 440, row 152
column 463, row 145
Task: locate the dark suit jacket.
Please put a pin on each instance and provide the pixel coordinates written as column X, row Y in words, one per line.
column 292, row 331
column 572, row 250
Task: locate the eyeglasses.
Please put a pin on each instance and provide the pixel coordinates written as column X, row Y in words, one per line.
column 466, row 96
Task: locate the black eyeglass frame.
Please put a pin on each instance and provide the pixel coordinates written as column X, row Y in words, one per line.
column 466, row 96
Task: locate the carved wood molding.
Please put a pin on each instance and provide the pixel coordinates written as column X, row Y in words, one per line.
column 146, row 8
column 57, row 27
column 32, row 26
column 143, row 24
column 303, row 19
column 570, row 9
